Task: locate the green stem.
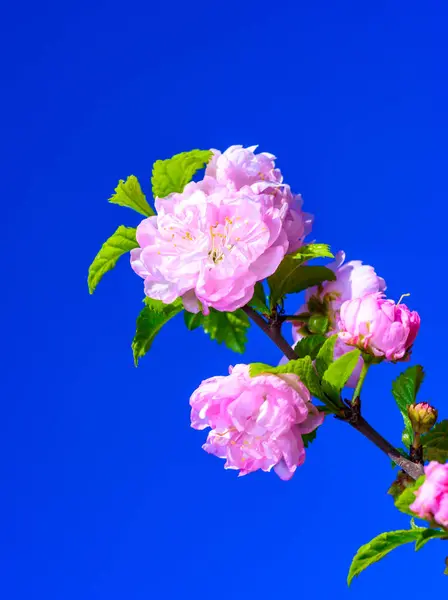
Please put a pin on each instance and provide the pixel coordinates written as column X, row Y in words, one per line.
column 357, row 393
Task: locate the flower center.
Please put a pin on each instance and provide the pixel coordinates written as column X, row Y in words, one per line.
column 220, row 240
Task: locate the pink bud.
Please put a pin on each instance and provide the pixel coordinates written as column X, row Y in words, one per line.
column 378, row 326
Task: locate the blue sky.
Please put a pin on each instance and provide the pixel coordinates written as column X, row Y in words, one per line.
column 107, row 493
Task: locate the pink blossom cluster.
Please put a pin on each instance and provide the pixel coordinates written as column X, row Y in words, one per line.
column 359, row 313
column 256, row 423
column 211, row 243
column 432, row 497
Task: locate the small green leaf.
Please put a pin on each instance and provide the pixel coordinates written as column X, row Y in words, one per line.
column 429, row 534
column 129, row 193
column 173, row 174
column 291, row 278
column 307, row 438
column 302, row 367
column 405, row 389
column 309, row 346
column 122, row 241
column 326, row 355
column 193, row 320
column 406, row 498
column 258, row 301
column 149, row 322
column 229, row 328
column 338, row 373
column 256, row 369
column 312, row 251
column 435, row 443
column 377, row 549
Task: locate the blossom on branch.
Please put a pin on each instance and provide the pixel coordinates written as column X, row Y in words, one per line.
column 353, row 280
column 256, row 423
column 211, row 243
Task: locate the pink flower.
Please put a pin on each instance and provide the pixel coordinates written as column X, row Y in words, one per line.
column 256, row 423
column 432, row 497
column 378, row 326
column 353, row 280
column 210, row 245
column 239, row 166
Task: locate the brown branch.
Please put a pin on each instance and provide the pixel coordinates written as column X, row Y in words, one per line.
column 272, row 330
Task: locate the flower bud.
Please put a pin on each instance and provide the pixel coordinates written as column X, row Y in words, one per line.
column 318, row 324
column 422, row 416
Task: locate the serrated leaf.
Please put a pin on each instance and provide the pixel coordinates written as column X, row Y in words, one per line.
column 292, row 278
column 129, row 193
column 429, row 534
column 229, row 328
column 149, row 322
column 435, row 443
column 310, row 251
column 378, row 548
column 173, row 174
column 309, row 346
column 405, row 389
column 120, row 242
column 407, row 497
column 325, row 355
column 258, row 301
column 338, row 373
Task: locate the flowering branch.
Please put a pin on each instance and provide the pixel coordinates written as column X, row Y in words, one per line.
column 350, row 416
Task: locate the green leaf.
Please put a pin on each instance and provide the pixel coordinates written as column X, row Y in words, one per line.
column 149, row 322
column 435, row 443
column 406, row 498
column 302, row 367
column 173, row 174
column 129, row 193
column 404, row 390
column 258, row 301
column 307, row 438
column 122, row 241
column 229, row 328
column 292, row 278
column 377, row 549
column 429, row 534
column 193, row 320
column 326, row 355
column 339, row 371
column 309, row 346
column 312, row 251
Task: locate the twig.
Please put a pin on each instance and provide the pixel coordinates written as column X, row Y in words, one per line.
column 356, row 421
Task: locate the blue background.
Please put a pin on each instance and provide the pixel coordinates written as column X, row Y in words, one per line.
column 106, row 491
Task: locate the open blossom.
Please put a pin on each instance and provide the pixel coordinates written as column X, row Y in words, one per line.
column 353, row 280
column 432, row 497
column 238, row 167
column 378, row 326
column 256, row 423
column 211, row 243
